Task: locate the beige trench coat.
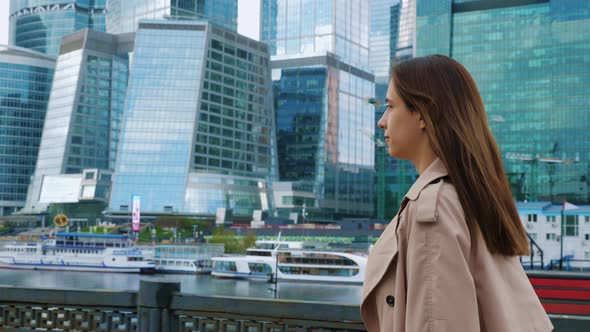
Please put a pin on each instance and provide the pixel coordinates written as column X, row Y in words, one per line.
column 426, row 274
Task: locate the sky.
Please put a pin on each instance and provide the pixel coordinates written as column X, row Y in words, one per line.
column 248, row 19
column 4, row 21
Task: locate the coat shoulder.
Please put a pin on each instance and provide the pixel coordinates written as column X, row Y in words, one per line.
column 432, row 197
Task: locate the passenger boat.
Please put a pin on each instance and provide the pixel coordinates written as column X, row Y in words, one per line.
column 77, row 252
column 186, row 258
column 292, row 261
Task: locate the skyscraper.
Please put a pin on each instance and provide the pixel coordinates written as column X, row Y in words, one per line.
column 325, row 124
column 384, row 30
column 295, row 28
column 82, row 125
column 324, row 133
column 125, row 14
column 530, row 62
column 406, row 32
column 25, row 82
column 380, row 39
column 198, row 130
column 41, row 24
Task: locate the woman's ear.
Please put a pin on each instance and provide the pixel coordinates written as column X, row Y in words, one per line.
column 422, row 124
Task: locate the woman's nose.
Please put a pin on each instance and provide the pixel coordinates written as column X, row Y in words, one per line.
column 381, row 123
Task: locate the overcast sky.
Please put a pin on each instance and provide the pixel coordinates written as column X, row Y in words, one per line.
column 4, row 21
column 248, row 19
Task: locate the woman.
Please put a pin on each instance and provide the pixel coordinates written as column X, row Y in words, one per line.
column 449, row 260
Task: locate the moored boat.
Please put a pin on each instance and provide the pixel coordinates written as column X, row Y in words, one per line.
column 77, row 252
column 186, row 258
column 292, row 261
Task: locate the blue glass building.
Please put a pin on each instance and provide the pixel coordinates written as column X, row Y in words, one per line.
column 83, row 121
column 405, row 15
column 530, row 60
column 324, row 134
column 125, row 14
column 198, row 132
column 295, row 28
column 25, row 82
column 383, row 39
column 325, row 125
column 41, row 24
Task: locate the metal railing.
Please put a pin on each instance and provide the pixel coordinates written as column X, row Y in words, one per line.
column 532, row 246
column 159, row 306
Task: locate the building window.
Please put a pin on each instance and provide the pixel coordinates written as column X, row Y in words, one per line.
column 571, row 226
column 89, row 175
column 551, row 219
column 586, row 236
column 587, row 255
column 587, row 219
column 533, row 236
column 532, row 217
column 551, row 236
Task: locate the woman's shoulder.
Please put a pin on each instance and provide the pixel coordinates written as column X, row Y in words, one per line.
column 436, row 200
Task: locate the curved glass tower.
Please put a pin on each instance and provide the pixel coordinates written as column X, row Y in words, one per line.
column 25, row 82
column 41, row 24
column 125, row 14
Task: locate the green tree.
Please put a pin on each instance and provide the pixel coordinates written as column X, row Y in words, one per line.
column 233, row 243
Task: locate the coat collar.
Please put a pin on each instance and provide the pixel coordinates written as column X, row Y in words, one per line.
column 435, row 170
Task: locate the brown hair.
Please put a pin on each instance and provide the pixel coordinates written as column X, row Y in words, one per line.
column 445, row 95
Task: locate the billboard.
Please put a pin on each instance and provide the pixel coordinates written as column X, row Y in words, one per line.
column 60, row 188
column 135, row 214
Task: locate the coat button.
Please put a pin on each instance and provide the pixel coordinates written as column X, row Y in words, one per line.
column 390, row 300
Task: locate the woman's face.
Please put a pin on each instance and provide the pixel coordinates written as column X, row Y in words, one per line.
column 403, row 129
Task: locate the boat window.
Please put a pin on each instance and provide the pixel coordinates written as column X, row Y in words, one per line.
column 224, row 266
column 332, row 272
column 259, row 268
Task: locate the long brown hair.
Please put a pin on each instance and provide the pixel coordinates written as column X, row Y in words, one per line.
column 445, row 95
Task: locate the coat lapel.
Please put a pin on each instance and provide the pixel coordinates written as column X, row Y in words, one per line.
column 385, row 250
column 382, row 255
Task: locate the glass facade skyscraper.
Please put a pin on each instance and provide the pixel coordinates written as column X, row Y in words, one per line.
column 25, row 82
column 393, row 177
column 530, row 60
column 41, row 24
column 125, row 14
column 406, row 32
column 83, row 120
column 324, row 129
column 381, row 38
column 325, row 125
column 295, row 28
column 198, row 130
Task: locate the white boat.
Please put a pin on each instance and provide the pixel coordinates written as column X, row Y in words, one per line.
column 186, row 258
column 296, row 261
column 77, row 252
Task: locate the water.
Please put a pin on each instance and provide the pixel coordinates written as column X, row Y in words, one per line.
column 191, row 284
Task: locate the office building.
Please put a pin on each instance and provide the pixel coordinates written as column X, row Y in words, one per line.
column 325, row 130
column 530, row 61
column 124, row 15
column 325, row 125
column 296, row 28
column 198, row 132
column 25, row 84
column 40, row 24
column 83, row 123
